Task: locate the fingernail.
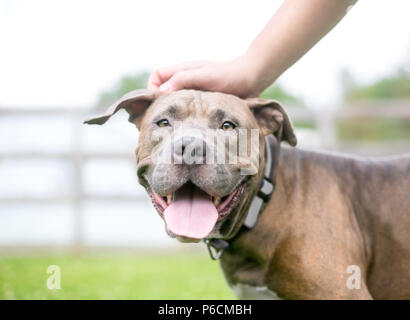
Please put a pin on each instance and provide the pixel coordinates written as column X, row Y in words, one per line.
column 165, row 87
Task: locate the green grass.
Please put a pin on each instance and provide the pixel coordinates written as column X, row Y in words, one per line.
column 135, row 276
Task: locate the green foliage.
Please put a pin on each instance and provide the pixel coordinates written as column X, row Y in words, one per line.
column 136, row 276
column 396, row 86
column 373, row 129
column 276, row 92
column 123, row 85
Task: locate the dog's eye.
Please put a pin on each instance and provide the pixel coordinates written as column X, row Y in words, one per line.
column 227, row 125
column 163, row 123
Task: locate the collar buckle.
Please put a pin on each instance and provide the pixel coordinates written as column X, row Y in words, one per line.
column 266, row 189
column 216, row 247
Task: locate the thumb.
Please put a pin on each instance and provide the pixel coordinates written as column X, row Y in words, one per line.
column 180, row 80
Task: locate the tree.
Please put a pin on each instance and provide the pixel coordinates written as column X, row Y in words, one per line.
column 123, row 85
column 395, row 86
column 276, row 92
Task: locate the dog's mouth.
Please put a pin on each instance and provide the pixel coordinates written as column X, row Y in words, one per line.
column 192, row 213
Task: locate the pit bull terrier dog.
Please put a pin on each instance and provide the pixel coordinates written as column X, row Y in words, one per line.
column 336, row 226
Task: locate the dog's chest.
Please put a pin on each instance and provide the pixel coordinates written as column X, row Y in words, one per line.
column 246, row 277
column 247, row 292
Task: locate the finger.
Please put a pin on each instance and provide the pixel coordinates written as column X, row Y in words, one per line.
column 154, row 81
column 163, row 74
column 188, row 79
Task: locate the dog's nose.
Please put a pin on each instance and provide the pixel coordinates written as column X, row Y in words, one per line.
column 189, row 150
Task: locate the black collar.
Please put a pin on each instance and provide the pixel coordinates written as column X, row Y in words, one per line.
column 217, row 246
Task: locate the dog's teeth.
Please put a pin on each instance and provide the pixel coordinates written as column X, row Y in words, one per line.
column 217, row 200
column 169, row 198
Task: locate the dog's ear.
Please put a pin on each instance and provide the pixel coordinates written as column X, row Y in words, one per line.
column 135, row 102
column 272, row 118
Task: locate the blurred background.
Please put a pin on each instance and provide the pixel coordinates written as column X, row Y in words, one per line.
column 69, row 194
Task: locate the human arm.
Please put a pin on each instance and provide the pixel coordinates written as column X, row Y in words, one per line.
column 293, row 30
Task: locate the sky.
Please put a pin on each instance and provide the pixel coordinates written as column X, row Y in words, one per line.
column 64, row 53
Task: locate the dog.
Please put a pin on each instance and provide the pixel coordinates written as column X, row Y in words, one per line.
column 330, row 226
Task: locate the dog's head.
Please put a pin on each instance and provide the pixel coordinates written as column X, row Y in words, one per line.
column 199, row 155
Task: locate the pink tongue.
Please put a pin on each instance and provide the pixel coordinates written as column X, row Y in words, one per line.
column 192, row 214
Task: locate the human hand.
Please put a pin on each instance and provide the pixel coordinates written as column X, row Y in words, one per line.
column 232, row 76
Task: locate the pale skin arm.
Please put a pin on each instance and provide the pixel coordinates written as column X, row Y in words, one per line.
column 294, row 29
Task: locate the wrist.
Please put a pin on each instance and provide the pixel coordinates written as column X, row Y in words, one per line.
column 257, row 71
column 249, row 72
